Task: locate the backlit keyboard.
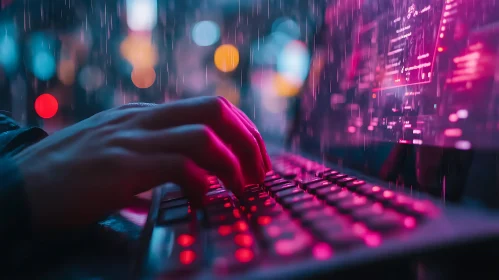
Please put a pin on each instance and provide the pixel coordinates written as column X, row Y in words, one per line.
column 303, row 212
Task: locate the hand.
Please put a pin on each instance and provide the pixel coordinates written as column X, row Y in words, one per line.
column 81, row 173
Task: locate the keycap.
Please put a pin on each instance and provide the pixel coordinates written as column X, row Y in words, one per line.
column 369, row 190
column 355, row 184
column 385, row 223
column 344, row 181
column 321, row 171
column 364, row 213
column 290, row 173
column 356, row 202
column 298, row 208
column 288, row 201
column 323, row 192
column 174, row 215
column 336, row 198
column 312, row 188
column 271, row 178
column 324, row 174
column 221, row 219
column 174, row 203
column 295, row 246
column 306, row 180
column 282, row 187
column 275, row 183
column 336, row 177
column 228, row 256
column 342, row 240
column 185, row 254
column 336, row 224
column 292, row 191
column 311, row 216
column 384, row 196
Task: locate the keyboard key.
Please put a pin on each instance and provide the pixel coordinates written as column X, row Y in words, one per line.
column 369, row 190
column 174, row 203
column 324, row 174
column 385, row 196
column 290, row 173
column 385, row 223
column 174, row 215
column 342, row 240
column 312, row 216
column 288, row 201
column 356, row 202
column 355, row 184
column 275, row 183
column 271, row 178
column 364, row 213
column 186, row 252
column 292, row 191
column 281, row 187
column 336, row 198
column 343, row 182
column 307, row 180
column 312, row 188
column 298, row 208
column 335, row 178
column 323, row 192
column 295, row 246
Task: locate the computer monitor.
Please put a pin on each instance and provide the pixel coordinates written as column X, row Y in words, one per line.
column 398, row 87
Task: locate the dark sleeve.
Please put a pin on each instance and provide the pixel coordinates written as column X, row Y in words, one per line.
column 14, row 209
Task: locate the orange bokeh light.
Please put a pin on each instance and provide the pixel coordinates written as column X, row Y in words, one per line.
column 143, row 77
column 66, row 72
column 226, row 58
column 139, row 51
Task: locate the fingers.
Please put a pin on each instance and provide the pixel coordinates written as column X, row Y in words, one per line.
column 196, row 142
column 254, row 131
column 161, row 168
column 214, row 113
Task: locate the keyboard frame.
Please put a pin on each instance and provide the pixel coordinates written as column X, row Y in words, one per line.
column 458, row 228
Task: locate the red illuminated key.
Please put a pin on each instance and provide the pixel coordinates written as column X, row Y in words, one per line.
column 281, row 187
column 343, row 182
column 323, row 192
column 275, row 183
column 301, row 197
column 312, row 188
column 282, row 194
column 336, row 177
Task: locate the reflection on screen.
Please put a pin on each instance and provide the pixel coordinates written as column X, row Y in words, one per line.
column 420, row 72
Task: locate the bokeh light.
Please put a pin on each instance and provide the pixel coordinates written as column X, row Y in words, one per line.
column 46, row 106
column 143, row 77
column 139, row 51
column 43, row 65
column 230, row 92
column 205, row 33
column 91, row 78
column 66, row 71
column 284, row 87
column 142, row 15
column 294, row 62
column 226, row 58
column 9, row 55
column 287, row 26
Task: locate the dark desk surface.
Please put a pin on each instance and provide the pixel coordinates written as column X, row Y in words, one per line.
column 107, row 250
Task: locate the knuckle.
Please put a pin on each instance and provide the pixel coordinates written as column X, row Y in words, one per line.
column 217, row 107
column 203, row 134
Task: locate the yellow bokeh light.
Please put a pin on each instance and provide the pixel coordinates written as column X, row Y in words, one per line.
column 139, row 51
column 66, row 72
column 226, row 58
column 143, row 77
column 230, row 92
column 284, row 87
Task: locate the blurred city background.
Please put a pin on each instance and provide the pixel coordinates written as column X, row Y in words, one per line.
column 62, row 61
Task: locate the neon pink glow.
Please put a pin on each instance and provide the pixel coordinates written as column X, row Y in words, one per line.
column 372, row 240
column 453, row 132
column 388, row 194
column 409, row 222
column 274, row 231
column 359, row 229
column 322, row 251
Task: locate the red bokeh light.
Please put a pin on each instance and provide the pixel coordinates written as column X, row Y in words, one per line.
column 244, row 255
column 187, row 257
column 243, row 240
column 185, row 240
column 224, row 230
column 46, row 106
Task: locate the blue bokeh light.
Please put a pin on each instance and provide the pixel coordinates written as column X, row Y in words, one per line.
column 9, row 55
column 205, row 33
column 43, row 65
column 294, row 62
column 288, row 27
